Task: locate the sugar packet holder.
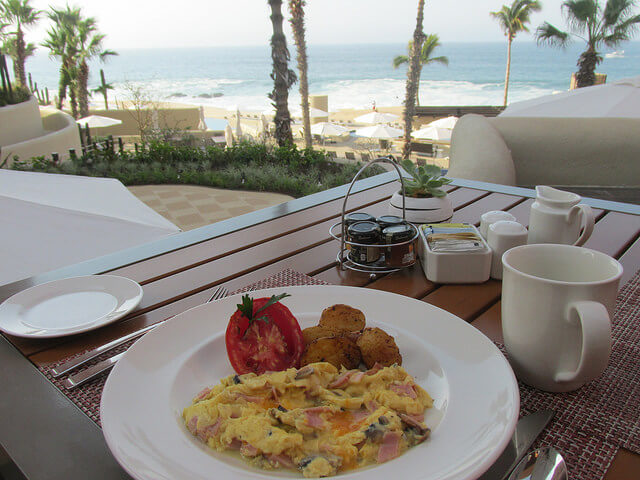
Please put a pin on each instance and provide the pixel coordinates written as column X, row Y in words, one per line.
column 454, row 253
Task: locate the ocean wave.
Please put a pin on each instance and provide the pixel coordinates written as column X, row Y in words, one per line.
column 356, row 94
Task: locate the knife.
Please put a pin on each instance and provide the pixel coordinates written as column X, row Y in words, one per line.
column 527, row 430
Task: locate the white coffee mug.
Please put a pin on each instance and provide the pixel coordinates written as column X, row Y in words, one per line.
column 557, row 302
column 503, row 235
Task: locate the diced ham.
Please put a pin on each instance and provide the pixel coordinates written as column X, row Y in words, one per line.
column 389, row 448
column 342, row 379
column 356, row 377
column 274, row 393
column 202, row 394
column 281, row 461
column 360, row 415
column 412, row 422
column 192, row 425
column 249, row 398
column 371, row 405
column 248, row 450
column 418, row 417
column 313, row 416
column 375, row 369
column 209, row 431
column 403, row 389
column 235, row 444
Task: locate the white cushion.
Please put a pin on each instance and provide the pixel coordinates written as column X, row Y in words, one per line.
column 478, row 152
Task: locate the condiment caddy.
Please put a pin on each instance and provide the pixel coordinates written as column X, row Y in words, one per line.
column 375, row 245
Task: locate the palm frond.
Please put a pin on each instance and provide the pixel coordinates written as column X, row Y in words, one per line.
column 622, row 32
column 399, row 60
column 580, row 14
column 547, row 34
column 617, row 10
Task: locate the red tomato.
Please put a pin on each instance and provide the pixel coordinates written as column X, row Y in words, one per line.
column 272, row 345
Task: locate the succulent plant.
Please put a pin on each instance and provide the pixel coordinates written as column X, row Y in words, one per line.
column 425, row 181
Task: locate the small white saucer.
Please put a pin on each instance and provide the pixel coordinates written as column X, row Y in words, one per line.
column 69, row 306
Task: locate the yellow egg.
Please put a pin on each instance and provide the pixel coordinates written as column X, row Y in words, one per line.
column 315, row 419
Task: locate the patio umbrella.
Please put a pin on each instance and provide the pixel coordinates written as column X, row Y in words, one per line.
column 376, row 117
column 619, row 99
column 447, row 122
column 50, row 221
column 238, row 131
column 202, row 125
column 328, row 129
column 228, row 135
column 265, row 123
column 379, row 131
column 436, row 134
column 96, row 121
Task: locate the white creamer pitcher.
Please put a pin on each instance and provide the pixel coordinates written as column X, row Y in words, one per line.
column 557, row 216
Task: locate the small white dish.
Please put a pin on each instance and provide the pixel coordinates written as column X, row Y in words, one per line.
column 476, row 397
column 68, row 306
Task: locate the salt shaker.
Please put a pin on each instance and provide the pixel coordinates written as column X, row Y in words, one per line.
column 503, row 235
column 491, row 217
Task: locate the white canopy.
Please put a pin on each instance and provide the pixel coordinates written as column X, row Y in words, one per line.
column 619, row 99
column 376, row 117
column 437, row 134
column 228, row 135
column 50, row 221
column 96, row 121
column 447, row 122
column 379, row 131
column 328, row 129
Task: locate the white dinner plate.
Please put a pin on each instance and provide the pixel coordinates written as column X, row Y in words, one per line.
column 476, row 397
column 68, row 306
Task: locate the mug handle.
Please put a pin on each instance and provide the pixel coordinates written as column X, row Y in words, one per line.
column 589, row 221
column 596, row 341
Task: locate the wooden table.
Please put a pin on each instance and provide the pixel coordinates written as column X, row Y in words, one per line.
column 49, row 438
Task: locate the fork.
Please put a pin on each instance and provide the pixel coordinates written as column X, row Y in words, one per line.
column 79, row 378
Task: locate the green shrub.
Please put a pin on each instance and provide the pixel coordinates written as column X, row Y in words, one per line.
column 17, row 95
column 245, row 166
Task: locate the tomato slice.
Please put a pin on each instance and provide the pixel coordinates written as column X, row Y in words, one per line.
column 262, row 346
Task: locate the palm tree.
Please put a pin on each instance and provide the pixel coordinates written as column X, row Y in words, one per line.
column 22, row 15
column 431, row 42
column 513, row 20
column 296, row 8
column 88, row 46
column 413, row 75
column 596, row 25
column 103, row 89
column 282, row 76
column 61, row 44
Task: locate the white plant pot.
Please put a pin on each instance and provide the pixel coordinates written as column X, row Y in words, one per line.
column 422, row 210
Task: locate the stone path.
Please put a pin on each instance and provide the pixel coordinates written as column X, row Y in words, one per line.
column 190, row 206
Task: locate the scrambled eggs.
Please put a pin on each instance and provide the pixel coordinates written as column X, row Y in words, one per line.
column 314, row 419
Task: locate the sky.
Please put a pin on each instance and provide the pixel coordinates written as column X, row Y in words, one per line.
column 203, row 23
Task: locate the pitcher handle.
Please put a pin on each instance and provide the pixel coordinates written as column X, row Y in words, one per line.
column 589, row 222
column 596, row 341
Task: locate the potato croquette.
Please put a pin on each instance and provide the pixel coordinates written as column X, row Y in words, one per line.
column 338, row 351
column 342, row 318
column 312, row 333
column 378, row 346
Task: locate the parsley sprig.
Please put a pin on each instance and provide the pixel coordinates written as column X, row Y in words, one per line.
column 246, row 307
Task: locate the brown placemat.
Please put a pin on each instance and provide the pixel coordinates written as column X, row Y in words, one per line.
column 592, row 423
column 87, row 396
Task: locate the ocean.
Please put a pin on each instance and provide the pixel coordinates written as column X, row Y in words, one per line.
column 353, row 76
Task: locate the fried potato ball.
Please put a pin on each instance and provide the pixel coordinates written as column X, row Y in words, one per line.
column 376, row 345
column 342, row 318
column 338, row 351
column 312, row 333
